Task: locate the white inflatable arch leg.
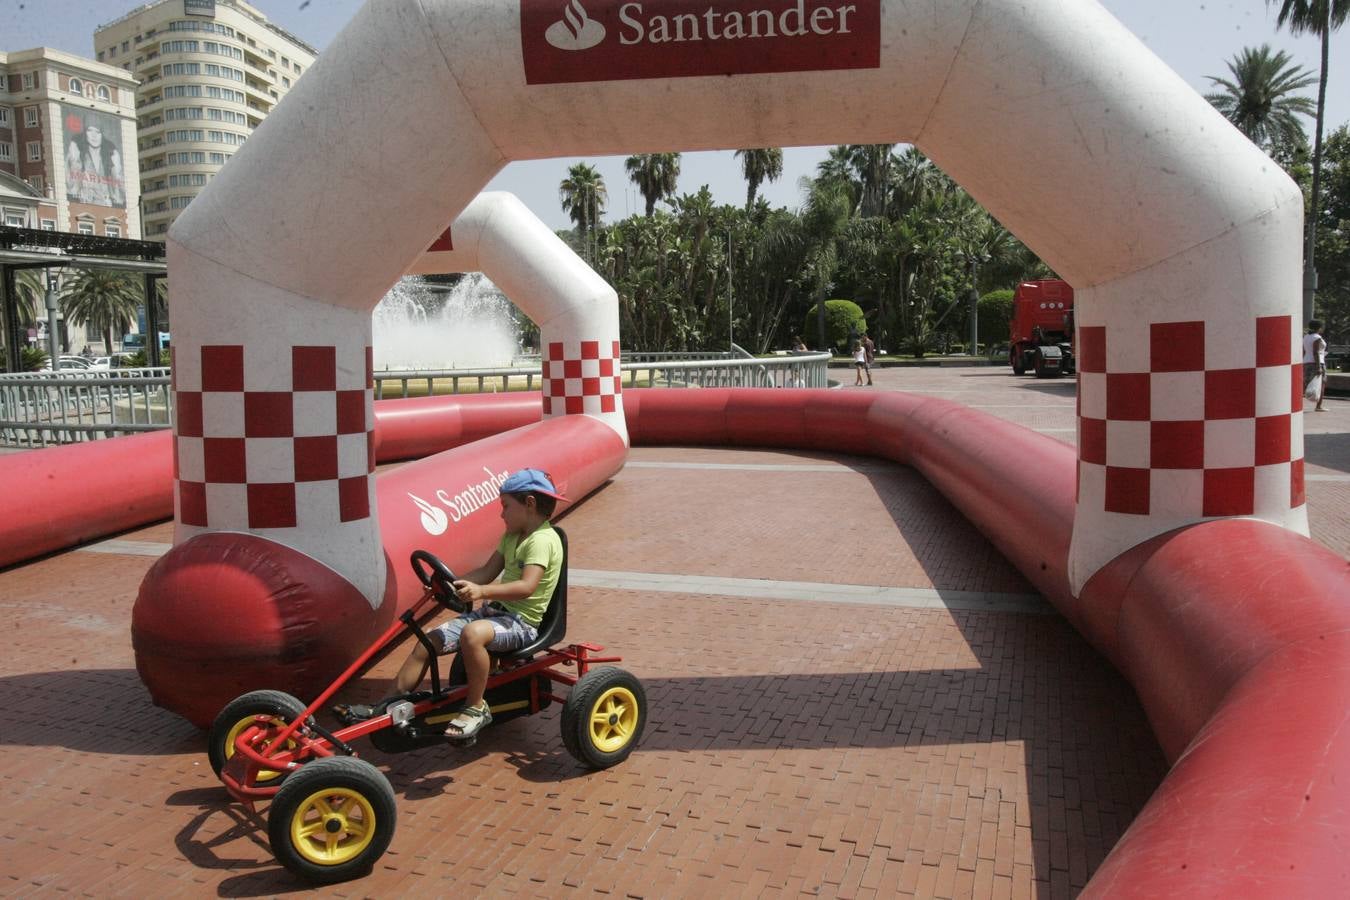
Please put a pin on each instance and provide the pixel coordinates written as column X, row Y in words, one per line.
column 576, row 310
column 1179, row 235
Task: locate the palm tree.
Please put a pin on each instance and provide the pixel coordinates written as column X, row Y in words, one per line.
column 828, row 207
column 28, row 295
column 1321, row 17
column 655, row 175
column 1260, row 98
column 872, row 163
column 760, row 166
column 583, row 196
column 105, row 300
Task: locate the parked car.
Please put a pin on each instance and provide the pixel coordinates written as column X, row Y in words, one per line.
column 69, row 364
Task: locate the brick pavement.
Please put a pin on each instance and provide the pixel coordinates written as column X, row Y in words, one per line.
column 792, row 747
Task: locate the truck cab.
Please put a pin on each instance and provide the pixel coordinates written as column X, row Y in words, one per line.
column 1041, row 334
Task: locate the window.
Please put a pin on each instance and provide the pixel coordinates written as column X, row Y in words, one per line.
column 218, row 159
column 29, row 81
column 126, row 46
column 285, row 82
column 15, row 219
column 30, row 117
column 296, row 68
column 48, row 224
column 104, row 94
column 35, row 182
column 180, row 47
column 34, row 151
column 183, row 69
column 84, row 227
column 6, row 151
column 76, row 86
column 179, row 202
column 100, row 56
column 112, row 230
column 4, row 116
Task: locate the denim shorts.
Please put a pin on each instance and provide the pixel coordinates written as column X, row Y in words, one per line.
column 512, row 632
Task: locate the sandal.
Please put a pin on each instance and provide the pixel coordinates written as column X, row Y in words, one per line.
column 468, row 722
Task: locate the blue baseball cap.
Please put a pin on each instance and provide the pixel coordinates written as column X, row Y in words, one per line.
column 531, row 480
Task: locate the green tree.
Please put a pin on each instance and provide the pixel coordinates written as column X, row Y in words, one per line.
column 1321, row 17
column 996, row 308
column 655, row 175
column 842, row 318
column 871, row 165
column 104, row 300
column 583, row 197
column 828, row 206
column 1261, row 98
column 759, row 166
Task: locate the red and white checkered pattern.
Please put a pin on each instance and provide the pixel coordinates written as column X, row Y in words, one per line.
column 582, row 377
column 251, row 458
column 1204, row 432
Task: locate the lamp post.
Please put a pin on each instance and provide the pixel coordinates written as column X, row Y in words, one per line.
column 974, row 348
column 53, row 338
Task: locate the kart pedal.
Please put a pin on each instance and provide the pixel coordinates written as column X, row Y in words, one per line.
column 400, row 714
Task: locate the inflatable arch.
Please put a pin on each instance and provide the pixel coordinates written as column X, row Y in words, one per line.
column 1181, row 238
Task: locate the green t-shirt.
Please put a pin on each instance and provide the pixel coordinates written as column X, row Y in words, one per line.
column 541, row 547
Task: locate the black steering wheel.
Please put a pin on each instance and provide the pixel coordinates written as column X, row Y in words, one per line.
column 436, row 576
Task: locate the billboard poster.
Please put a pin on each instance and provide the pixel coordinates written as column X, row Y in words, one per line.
column 199, row 8
column 93, row 157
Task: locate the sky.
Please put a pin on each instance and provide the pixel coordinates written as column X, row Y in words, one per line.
column 1195, row 38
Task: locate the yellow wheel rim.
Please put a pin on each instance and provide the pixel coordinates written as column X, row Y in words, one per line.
column 333, row 826
column 614, row 719
column 264, row 775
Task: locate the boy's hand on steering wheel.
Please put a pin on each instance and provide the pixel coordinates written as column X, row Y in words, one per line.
column 468, row 591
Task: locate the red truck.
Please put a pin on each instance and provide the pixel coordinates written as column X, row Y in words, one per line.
column 1041, row 334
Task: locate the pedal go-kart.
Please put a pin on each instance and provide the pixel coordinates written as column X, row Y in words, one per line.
column 333, row 814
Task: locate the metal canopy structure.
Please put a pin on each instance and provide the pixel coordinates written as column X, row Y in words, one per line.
column 29, row 248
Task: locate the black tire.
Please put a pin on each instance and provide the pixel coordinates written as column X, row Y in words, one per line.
column 601, row 744
column 237, row 714
column 341, row 796
column 1019, row 363
column 1040, row 368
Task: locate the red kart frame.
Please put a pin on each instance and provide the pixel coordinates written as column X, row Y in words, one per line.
column 303, row 739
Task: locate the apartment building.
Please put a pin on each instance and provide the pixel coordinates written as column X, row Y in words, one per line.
column 66, row 128
column 209, row 72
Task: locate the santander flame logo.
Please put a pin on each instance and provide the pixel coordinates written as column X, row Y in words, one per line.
column 576, row 31
column 434, row 519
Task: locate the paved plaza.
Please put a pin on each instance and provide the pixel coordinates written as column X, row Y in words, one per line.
column 850, row 694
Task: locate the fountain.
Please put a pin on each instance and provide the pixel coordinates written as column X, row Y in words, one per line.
column 424, row 326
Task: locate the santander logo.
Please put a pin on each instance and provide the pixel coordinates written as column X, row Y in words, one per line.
column 692, row 38
column 576, row 30
column 434, row 519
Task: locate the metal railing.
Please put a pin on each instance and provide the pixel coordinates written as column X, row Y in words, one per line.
column 40, row 409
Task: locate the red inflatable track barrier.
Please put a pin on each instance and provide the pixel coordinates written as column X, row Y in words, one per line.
column 62, row 496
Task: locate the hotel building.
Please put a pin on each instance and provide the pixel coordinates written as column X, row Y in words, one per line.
column 209, row 72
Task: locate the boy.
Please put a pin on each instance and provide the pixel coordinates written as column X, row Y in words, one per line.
column 507, row 615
